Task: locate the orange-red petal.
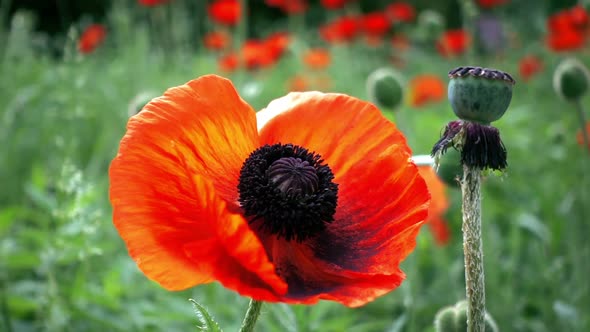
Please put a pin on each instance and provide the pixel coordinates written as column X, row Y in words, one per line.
column 173, row 191
column 382, row 200
column 438, row 205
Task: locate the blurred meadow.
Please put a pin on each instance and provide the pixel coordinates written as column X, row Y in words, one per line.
column 71, row 79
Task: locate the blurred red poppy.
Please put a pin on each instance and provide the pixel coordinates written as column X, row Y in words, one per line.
column 375, row 24
column 152, row 3
column 439, row 204
column 568, row 29
column 529, row 66
column 453, row 43
column 203, row 189
column 217, row 40
column 317, row 58
column 491, row 3
column 400, row 42
column 343, row 29
column 229, row 62
column 400, row 12
column 425, row 89
column 298, row 83
column 289, row 6
column 333, row 4
column 580, row 135
column 91, row 38
column 227, row 12
column 277, row 43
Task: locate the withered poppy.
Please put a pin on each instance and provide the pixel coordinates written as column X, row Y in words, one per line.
column 314, row 197
column 453, row 43
column 491, row 3
column 152, row 3
column 342, row 29
column 400, row 12
column 217, row 40
column 91, row 38
column 425, row 89
column 529, row 66
column 439, row 204
column 317, row 58
column 227, row 12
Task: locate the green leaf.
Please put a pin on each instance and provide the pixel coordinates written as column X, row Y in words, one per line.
column 206, row 322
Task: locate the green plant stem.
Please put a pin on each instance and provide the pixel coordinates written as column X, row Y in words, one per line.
column 582, row 118
column 472, row 248
column 251, row 316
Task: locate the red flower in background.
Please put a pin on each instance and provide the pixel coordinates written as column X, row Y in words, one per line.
column 298, row 83
column 400, row 12
column 289, row 6
column 91, row 38
column 568, row 29
column 333, row 4
column 256, row 53
column 152, row 3
column 453, row 43
column 580, row 135
column 229, row 62
column 529, row 66
column 439, row 204
column 491, row 3
column 277, row 43
column 375, row 24
column 425, row 89
column 217, row 40
column 317, row 58
column 198, row 189
column 226, row 12
column 343, row 29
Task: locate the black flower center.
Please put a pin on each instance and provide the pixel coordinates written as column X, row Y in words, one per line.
column 287, row 191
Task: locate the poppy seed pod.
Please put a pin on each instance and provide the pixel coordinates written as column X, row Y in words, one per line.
column 385, row 88
column 479, row 94
column 570, row 79
column 454, row 319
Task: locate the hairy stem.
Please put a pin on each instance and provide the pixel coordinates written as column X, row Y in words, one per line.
column 472, row 248
column 582, row 118
column 251, row 316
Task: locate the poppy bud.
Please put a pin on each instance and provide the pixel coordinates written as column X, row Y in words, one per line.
column 570, row 79
column 454, row 319
column 385, row 88
column 479, row 94
column 450, row 169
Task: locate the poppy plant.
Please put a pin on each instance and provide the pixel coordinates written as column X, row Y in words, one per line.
column 438, row 205
column 568, row 29
column 317, row 58
column 343, row 29
column 217, row 40
column 226, row 12
column 91, row 38
column 425, row 89
column 453, row 43
column 314, row 197
column 400, row 12
column 529, row 66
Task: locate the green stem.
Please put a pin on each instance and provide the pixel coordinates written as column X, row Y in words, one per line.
column 251, row 316
column 472, row 248
column 582, row 118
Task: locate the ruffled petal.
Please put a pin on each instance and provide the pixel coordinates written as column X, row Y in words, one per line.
column 382, row 200
column 172, row 195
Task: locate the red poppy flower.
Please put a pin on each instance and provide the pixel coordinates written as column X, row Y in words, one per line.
column 317, row 58
column 289, row 6
column 568, row 29
column 529, row 66
column 277, row 43
column 216, row 40
column 296, row 203
column 425, row 89
column 228, row 62
column 152, row 3
column 491, row 3
column 298, row 83
column 375, row 24
column 333, row 4
column 227, row 12
column 580, row 136
column 400, row 12
column 343, row 29
column 91, row 38
column 439, row 204
column 453, row 43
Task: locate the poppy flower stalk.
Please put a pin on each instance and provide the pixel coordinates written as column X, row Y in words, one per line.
column 251, row 316
column 478, row 97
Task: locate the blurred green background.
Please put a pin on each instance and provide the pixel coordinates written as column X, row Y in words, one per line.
column 63, row 267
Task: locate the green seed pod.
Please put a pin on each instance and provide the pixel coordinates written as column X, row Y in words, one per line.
column 570, row 79
column 450, row 168
column 385, row 88
column 479, row 94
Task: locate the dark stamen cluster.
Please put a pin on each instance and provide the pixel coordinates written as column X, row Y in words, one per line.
column 287, row 191
column 488, row 73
